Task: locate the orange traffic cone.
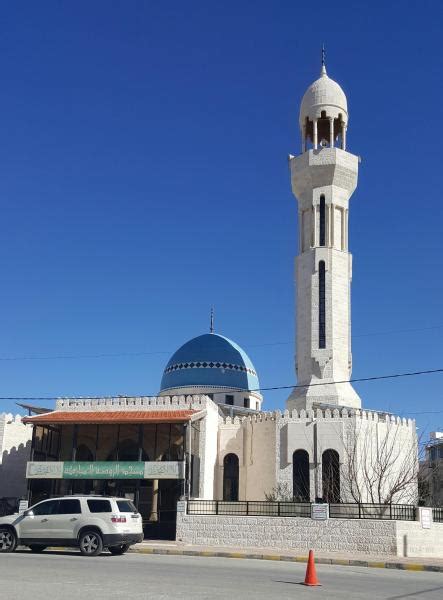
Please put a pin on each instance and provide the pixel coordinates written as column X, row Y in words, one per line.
column 311, row 575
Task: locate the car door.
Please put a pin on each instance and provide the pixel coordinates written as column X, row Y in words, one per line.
column 64, row 522
column 36, row 522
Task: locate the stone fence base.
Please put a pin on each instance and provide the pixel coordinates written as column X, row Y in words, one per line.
column 389, row 538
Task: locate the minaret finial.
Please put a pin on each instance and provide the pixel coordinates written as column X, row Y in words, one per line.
column 211, row 326
column 323, row 60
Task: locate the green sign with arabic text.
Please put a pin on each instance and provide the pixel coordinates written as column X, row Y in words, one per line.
column 103, row 470
column 168, row 469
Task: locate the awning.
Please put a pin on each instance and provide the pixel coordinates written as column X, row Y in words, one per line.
column 111, row 417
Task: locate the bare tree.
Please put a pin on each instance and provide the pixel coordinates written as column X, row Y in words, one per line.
column 282, row 492
column 430, row 474
column 380, row 464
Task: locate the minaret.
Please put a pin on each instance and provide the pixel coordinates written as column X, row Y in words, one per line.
column 323, row 177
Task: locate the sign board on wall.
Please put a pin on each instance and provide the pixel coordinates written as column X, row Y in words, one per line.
column 425, row 517
column 320, row 512
column 103, row 470
column 164, row 470
column 106, row 470
column 44, row 470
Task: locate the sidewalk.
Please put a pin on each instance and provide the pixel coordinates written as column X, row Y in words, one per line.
column 363, row 560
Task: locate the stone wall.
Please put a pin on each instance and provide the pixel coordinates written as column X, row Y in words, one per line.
column 15, row 448
column 289, row 533
column 373, row 537
column 252, row 439
column 413, row 540
column 266, row 441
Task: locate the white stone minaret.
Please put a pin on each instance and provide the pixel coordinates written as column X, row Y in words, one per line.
column 324, row 177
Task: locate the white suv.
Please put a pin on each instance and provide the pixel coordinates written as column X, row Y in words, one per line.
column 90, row 523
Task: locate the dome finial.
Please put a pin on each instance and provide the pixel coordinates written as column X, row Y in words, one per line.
column 323, row 60
column 211, row 326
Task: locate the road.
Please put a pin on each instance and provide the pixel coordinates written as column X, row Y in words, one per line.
column 70, row 576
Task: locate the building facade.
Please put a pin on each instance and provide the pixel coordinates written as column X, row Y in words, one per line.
column 205, row 435
column 431, row 471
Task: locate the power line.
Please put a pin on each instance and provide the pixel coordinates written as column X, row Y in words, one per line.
column 170, row 352
column 356, row 380
column 263, row 389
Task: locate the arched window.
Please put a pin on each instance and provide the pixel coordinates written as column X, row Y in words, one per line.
column 84, row 453
column 230, row 477
column 331, row 476
column 300, row 476
column 322, row 221
column 128, row 450
column 321, row 304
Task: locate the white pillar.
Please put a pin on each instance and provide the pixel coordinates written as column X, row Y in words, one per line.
column 301, row 237
column 331, row 132
column 329, row 228
column 343, row 133
column 313, row 227
column 332, row 224
column 315, row 135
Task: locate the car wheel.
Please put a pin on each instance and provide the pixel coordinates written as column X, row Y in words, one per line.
column 120, row 549
column 8, row 540
column 36, row 548
column 91, row 543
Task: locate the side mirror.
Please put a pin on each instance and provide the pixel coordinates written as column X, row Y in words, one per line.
column 28, row 513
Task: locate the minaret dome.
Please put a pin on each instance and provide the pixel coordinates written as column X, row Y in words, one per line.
column 323, row 114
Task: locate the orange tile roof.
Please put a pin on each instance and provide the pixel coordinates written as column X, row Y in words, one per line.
column 59, row 417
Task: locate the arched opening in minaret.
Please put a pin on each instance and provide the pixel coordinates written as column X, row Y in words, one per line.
column 300, row 476
column 230, row 477
column 330, row 131
column 322, row 221
column 331, row 476
column 338, row 131
column 321, row 304
column 323, row 129
column 309, row 133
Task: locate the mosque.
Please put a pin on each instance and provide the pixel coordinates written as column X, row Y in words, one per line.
column 206, row 434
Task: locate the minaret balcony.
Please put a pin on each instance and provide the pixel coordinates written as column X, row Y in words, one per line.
column 321, row 168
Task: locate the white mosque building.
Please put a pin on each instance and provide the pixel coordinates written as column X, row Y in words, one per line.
column 323, row 446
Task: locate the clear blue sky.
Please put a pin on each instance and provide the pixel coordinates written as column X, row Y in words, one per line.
column 144, row 177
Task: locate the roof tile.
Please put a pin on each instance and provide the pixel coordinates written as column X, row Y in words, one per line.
column 111, row 416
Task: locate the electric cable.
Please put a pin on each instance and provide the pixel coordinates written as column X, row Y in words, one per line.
column 261, row 389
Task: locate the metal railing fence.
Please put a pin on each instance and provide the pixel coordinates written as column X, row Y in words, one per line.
column 365, row 510
column 437, row 515
column 396, row 512
column 249, row 508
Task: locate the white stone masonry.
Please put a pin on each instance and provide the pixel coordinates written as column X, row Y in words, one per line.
column 15, row 448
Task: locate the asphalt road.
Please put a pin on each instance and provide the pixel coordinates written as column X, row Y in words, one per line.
column 70, row 576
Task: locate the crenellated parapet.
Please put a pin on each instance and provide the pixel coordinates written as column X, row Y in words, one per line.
column 10, row 419
column 318, row 414
column 134, row 403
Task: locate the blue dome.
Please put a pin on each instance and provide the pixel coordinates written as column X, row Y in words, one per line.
column 210, row 360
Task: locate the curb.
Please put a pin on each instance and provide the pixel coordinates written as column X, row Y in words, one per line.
column 289, row 558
